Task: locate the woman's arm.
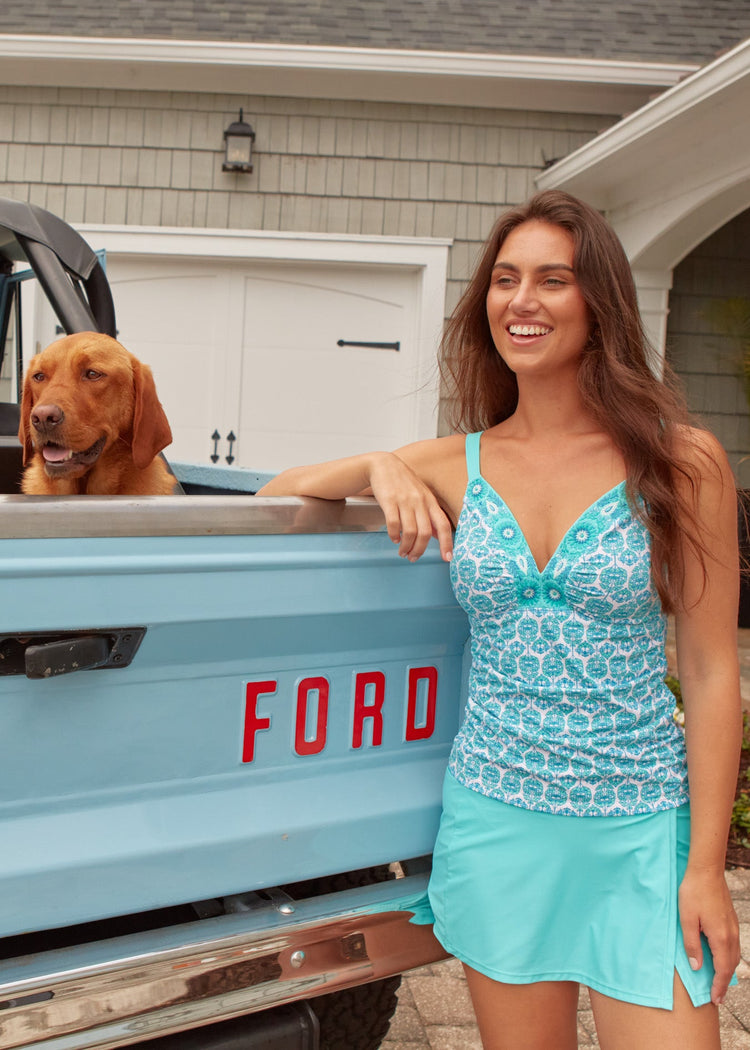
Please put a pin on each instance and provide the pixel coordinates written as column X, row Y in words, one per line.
column 706, row 634
column 336, row 479
column 413, row 513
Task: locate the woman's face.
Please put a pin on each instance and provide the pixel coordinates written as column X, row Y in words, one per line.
column 537, row 315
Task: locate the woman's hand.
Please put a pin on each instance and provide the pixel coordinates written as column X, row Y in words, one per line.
column 706, row 907
column 412, row 512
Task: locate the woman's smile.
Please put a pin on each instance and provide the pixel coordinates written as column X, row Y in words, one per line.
column 528, row 334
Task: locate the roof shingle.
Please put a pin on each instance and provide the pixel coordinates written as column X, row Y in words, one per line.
column 647, row 30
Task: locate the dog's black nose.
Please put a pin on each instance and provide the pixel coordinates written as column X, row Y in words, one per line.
column 45, row 416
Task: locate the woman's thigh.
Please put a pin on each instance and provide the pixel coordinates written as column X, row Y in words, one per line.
column 539, row 1016
column 622, row 1026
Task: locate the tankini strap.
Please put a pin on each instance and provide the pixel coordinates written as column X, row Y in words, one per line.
column 472, row 455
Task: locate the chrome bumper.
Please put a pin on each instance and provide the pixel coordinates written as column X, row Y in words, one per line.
column 272, row 951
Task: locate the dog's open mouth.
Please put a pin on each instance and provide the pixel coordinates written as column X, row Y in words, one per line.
column 61, row 460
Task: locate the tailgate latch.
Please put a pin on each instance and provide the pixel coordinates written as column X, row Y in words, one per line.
column 46, row 654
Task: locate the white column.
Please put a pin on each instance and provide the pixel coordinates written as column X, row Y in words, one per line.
column 653, row 288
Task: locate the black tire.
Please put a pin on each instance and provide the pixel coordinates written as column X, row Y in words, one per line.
column 354, row 1018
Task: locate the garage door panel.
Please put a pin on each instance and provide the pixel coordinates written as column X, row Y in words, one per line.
column 251, row 348
column 308, row 421
column 151, row 301
column 287, row 314
column 324, row 400
column 173, row 315
column 264, row 451
column 196, row 415
column 356, row 395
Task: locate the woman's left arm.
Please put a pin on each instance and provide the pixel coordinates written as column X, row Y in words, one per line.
column 706, row 635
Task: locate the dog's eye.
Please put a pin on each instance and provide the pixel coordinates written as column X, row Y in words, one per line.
column 92, row 374
column 39, row 377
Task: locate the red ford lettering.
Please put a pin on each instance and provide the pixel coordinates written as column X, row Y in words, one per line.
column 253, row 722
column 302, row 745
column 309, row 710
column 418, row 676
column 368, row 703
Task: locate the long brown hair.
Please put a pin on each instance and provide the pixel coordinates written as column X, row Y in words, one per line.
column 641, row 412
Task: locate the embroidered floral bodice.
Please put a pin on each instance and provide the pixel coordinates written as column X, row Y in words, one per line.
column 567, row 710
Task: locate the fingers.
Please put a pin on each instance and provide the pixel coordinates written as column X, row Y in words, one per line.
column 722, row 933
column 412, row 512
column 431, row 522
column 416, row 533
column 726, row 956
column 412, row 528
column 406, row 527
column 691, row 935
column 443, row 533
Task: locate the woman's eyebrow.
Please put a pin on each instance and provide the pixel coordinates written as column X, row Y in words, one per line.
column 545, row 268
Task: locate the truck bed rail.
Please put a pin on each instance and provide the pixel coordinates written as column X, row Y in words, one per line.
column 47, row 517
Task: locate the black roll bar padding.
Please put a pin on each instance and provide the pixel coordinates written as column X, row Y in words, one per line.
column 100, row 299
column 72, row 310
column 73, row 260
column 5, row 316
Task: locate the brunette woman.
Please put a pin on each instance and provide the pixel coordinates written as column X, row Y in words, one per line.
column 583, row 835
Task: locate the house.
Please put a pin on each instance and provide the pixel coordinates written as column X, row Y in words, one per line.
column 292, row 312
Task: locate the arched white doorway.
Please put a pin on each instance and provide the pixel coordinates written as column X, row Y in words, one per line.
column 669, row 175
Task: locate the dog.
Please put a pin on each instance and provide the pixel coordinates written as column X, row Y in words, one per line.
column 91, row 422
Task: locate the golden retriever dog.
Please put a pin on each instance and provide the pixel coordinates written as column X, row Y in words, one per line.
column 91, row 422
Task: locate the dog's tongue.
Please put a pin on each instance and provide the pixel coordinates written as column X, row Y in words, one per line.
column 55, row 454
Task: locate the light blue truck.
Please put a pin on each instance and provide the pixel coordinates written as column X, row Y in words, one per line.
column 224, row 721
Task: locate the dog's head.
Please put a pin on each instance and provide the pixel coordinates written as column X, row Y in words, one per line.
column 85, row 395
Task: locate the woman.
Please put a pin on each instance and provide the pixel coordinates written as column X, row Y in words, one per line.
column 585, row 509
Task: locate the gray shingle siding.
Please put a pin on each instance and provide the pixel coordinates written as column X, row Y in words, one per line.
column 705, row 359
column 329, row 166
column 667, row 31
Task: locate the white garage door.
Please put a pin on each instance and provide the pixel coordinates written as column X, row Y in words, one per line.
column 294, row 361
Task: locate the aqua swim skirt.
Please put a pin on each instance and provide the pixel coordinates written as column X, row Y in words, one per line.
column 523, row 896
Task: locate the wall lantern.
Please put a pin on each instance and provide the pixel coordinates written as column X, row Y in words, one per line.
column 238, row 146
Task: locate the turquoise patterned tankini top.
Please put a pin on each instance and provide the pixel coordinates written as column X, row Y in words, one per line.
column 567, row 710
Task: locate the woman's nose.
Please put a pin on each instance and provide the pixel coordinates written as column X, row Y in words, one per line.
column 525, row 297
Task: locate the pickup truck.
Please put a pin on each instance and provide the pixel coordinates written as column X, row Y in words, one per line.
column 224, row 721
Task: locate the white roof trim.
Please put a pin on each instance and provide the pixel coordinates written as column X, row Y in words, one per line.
column 654, row 74
column 671, row 174
column 507, row 81
column 651, row 118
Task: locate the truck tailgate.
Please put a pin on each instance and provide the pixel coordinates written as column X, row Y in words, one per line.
column 287, row 714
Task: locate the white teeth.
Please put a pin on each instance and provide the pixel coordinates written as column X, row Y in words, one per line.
column 528, row 329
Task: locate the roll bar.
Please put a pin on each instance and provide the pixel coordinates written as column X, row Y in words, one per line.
column 66, row 267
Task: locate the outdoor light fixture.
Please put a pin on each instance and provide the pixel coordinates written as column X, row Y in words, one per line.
column 238, row 146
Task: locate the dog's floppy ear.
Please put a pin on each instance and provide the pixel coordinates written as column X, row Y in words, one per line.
column 24, row 427
column 151, row 431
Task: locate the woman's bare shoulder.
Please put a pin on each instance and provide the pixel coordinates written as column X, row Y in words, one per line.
column 431, row 452
column 702, row 452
